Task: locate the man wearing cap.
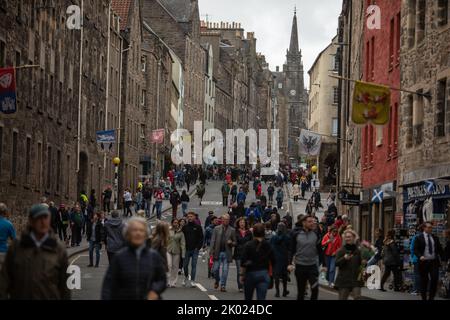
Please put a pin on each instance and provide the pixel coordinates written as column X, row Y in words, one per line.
column 35, row 267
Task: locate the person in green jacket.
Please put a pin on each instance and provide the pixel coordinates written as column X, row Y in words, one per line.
column 176, row 249
column 351, row 268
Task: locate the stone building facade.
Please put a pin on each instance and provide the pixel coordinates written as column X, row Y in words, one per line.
column 48, row 148
column 322, row 111
column 424, row 141
column 350, row 31
column 132, row 149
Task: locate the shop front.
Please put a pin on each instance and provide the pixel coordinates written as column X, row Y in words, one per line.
column 427, row 201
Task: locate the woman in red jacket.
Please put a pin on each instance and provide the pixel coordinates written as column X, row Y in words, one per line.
column 331, row 243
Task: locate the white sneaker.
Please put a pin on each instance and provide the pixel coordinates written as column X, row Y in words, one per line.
column 184, row 282
column 193, row 284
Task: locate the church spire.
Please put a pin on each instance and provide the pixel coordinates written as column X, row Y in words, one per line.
column 293, row 48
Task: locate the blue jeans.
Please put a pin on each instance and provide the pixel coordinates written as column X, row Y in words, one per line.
column 184, row 206
column 147, row 207
column 158, row 206
column 194, row 255
column 259, row 281
column 223, row 260
column 330, row 262
column 97, row 246
column 238, row 272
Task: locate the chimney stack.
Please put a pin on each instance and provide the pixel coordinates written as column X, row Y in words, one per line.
column 278, row 68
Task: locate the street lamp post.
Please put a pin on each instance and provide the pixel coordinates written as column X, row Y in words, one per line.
column 314, row 170
column 116, row 162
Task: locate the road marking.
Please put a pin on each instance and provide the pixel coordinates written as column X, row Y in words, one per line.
column 212, row 297
column 79, row 256
column 202, row 288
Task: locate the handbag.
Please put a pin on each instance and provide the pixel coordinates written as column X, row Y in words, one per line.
column 271, row 276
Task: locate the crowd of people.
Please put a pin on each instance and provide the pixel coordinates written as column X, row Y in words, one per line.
column 268, row 250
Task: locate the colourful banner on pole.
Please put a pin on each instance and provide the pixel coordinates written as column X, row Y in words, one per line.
column 158, row 136
column 371, row 104
column 8, row 98
column 106, row 140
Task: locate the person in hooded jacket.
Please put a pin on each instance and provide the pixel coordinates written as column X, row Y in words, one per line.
column 391, row 260
column 280, row 243
column 114, row 235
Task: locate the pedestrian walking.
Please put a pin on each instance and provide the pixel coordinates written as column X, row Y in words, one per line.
column 256, row 259
column 223, row 241
column 225, row 193
column 35, row 267
column 349, row 280
column 391, row 261
column 193, row 234
column 7, row 232
column 281, row 243
column 243, row 235
column 136, row 272
column 415, row 262
column 175, row 250
column 280, row 198
column 54, row 217
column 295, row 191
column 96, row 235
column 233, row 192
column 184, row 202
column 76, row 225
column 378, row 246
column 159, row 241
column 64, row 221
column 147, row 198
column 128, row 199
column 331, row 243
column 305, row 248
column 253, row 215
column 429, row 250
column 303, row 187
column 107, row 195
column 139, row 200
column 200, row 192
column 175, row 201
column 214, row 222
column 159, row 197
column 270, row 192
column 114, row 235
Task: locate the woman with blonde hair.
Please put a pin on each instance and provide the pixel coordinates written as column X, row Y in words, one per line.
column 351, row 266
column 159, row 240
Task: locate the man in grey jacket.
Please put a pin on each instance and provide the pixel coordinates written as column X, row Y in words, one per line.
column 306, row 248
column 114, row 236
column 222, row 242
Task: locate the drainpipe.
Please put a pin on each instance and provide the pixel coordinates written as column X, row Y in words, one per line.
column 79, row 88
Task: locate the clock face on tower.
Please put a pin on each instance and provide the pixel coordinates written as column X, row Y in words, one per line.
column 293, row 92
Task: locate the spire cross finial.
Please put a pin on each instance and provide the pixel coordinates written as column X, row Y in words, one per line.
column 295, row 10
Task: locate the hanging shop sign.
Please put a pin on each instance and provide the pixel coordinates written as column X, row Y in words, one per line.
column 425, row 190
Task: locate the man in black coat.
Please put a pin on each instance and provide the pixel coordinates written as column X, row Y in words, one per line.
column 193, row 234
column 429, row 251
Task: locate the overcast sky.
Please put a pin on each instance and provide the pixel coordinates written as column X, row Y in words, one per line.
column 271, row 20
